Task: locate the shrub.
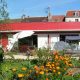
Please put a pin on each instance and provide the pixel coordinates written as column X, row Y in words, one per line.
column 43, row 55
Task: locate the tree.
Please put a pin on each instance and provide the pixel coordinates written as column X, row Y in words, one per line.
column 3, row 11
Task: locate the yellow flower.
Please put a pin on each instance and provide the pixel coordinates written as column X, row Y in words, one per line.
column 24, row 69
column 54, row 71
column 47, row 65
column 14, row 69
column 41, row 72
column 20, row 75
column 52, row 65
column 59, row 73
column 46, row 70
column 70, row 64
column 57, row 68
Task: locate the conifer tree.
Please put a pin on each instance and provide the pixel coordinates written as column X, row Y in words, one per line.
column 3, row 10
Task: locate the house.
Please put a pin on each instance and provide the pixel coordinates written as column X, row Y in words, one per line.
column 72, row 16
column 47, row 33
column 30, row 19
column 58, row 18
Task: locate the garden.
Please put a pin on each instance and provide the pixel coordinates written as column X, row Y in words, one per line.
column 50, row 65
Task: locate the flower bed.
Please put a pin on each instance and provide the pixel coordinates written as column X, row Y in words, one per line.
column 55, row 67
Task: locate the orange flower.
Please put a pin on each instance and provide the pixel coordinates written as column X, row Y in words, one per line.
column 61, row 57
column 66, row 62
column 42, row 68
column 56, row 57
column 47, row 79
column 20, row 75
column 57, row 64
column 36, row 67
column 70, row 65
column 55, row 52
column 52, row 65
column 41, row 72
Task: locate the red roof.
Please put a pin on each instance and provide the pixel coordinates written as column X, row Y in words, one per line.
column 58, row 18
column 72, row 13
column 44, row 26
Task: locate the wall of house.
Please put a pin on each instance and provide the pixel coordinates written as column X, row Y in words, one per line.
column 4, row 40
column 72, row 19
column 54, row 38
column 42, row 40
column 79, row 41
column 47, row 40
column 11, row 42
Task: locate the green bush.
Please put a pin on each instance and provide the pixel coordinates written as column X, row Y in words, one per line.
column 67, row 77
column 43, row 55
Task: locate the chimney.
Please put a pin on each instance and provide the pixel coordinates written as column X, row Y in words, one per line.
column 49, row 15
column 23, row 17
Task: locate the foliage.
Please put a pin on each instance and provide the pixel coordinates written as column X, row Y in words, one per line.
column 8, row 68
column 67, row 77
column 43, row 55
column 76, row 76
column 76, row 63
column 3, row 10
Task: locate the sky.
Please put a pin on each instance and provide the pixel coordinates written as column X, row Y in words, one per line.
column 17, row 8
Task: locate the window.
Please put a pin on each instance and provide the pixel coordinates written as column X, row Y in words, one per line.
column 76, row 13
column 76, row 20
column 62, row 37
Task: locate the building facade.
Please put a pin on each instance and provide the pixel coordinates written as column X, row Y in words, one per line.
column 46, row 33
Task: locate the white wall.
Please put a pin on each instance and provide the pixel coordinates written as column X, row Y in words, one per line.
column 10, row 37
column 54, row 38
column 43, row 40
column 79, row 41
column 71, row 19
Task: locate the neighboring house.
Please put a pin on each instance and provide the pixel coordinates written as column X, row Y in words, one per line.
column 72, row 16
column 30, row 19
column 58, row 18
column 48, row 30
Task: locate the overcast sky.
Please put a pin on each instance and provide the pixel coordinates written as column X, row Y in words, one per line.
column 38, row 7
